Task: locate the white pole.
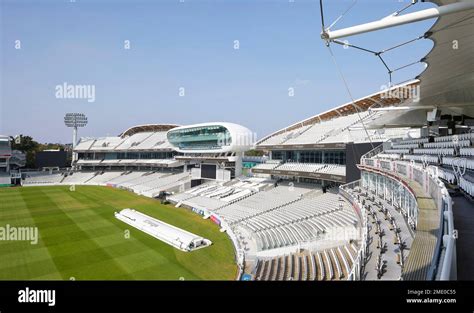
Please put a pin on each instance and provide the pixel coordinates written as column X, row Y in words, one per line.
column 74, row 142
column 74, row 137
column 396, row 20
column 238, row 164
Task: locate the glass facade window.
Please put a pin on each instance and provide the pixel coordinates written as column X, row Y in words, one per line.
column 110, row 156
column 128, row 155
column 311, row 156
column 89, row 156
column 146, row 155
column 99, row 156
column 132, row 155
column 310, row 181
column 391, row 191
column 335, row 157
column 277, row 155
column 155, row 155
column 203, row 137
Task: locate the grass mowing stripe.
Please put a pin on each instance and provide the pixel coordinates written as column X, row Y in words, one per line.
column 179, row 217
column 81, row 258
column 25, row 252
column 85, row 240
column 91, row 233
column 148, row 242
column 30, row 269
column 17, row 256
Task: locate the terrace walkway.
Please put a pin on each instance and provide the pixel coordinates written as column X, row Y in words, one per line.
column 388, row 231
column 422, row 250
column 463, row 211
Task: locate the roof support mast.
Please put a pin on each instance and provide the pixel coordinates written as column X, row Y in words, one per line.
column 396, row 20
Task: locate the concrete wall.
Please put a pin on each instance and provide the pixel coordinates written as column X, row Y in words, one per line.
column 354, row 151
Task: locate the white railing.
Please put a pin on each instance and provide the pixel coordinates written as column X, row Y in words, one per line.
column 357, row 266
column 239, row 252
column 373, row 152
column 443, row 266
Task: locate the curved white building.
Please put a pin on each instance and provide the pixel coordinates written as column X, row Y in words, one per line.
column 216, row 137
column 215, row 149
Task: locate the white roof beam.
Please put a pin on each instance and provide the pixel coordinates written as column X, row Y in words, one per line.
column 403, row 108
column 396, row 20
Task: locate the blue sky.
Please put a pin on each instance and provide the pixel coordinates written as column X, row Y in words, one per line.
column 188, row 45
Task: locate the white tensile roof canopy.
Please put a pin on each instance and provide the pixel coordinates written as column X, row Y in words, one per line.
column 448, row 81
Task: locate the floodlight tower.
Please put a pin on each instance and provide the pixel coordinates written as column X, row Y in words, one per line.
column 75, row 120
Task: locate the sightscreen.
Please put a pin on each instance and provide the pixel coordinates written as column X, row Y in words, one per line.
column 51, row 159
column 208, row 171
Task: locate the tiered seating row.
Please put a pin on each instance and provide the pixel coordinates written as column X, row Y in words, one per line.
column 391, row 156
column 326, row 168
column 301, row 167
column 329, row 264
column 259, row 203
column 266, row 166
column 153, row 188
column 447, row 176
column 215, row 195
column 466, row 136
column 334, row 130
column 468, row 163
column 421, row 158
column 103, row 177
column 448, row 144
column 301, row 221
column 42, row 179
column 146, row 183
column 138, row 141
column 466, row 151
column 467, row 186
column 437, row 151
column 444, row 145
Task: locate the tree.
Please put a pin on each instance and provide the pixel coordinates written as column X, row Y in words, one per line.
column 254, row 153
column 27, row 145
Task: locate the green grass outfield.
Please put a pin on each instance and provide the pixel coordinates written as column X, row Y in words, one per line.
column 79, row 238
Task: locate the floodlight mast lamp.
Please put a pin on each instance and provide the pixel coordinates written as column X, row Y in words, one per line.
column 75, row 120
